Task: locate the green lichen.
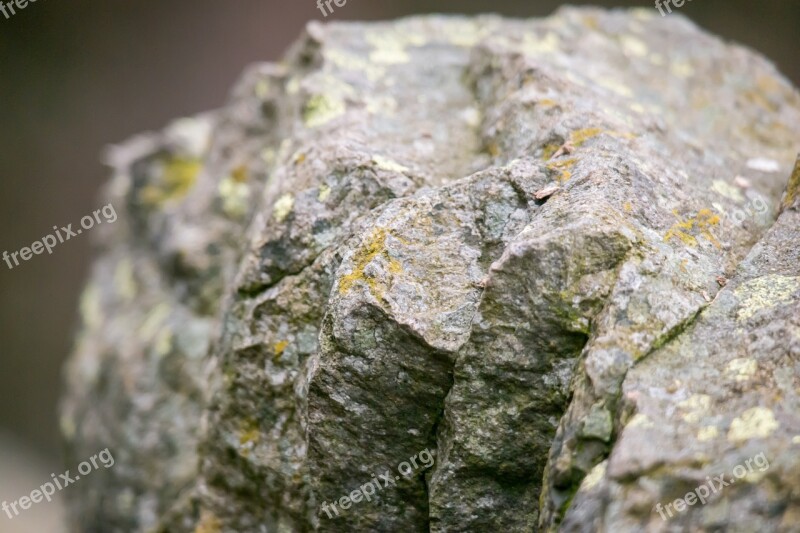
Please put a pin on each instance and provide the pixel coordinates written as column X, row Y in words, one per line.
column 283, row 207
column 91, row 306
column 321, row 109
column 235, row 193
column 388, row 164
column 124, row 281
column 178, row 176
column 755, row 423
column 324, row 193
column 764, row 293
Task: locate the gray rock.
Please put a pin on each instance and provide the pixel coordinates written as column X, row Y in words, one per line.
column 501, row 241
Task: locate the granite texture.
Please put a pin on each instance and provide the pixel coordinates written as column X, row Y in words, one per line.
column 562, row 253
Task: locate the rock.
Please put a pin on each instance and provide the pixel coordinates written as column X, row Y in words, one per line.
column 493, row 242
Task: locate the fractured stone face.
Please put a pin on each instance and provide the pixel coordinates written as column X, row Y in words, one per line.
column 502, row 240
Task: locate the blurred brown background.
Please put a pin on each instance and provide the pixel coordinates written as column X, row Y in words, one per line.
column 77, row 75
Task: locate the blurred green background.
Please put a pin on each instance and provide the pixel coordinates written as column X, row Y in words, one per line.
column 78, row 75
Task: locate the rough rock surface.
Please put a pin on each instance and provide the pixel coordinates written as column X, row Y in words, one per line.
column 561, row 253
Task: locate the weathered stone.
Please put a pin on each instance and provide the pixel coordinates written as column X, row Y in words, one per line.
column 497, row 239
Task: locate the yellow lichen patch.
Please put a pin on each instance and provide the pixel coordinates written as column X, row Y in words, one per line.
column 124, row 281
column 755, row 423
column 633, row 46
column 374, row 247
column 532, row 45
column 330, row 85
column 627, row 207
column 612, row 84
column 640, row 420
column 701, row 224
column 793, row 188
column 249, row 434
column 547, row 102
column 591, row 22
column 348, row 61
column 466, row 33
column 643, row 14
column 695, row 407
column 283, row 207
column 764, row 293
column 67, row 425
column 707, row 433
column 163, row 344
column 768, row 84
column 727, row 190
column 389, row 56
column 549, row 150
column 395, row 266
column 579, row 137
column 387, row 164
column 594, row 477
column 369, row 251
column 741, row 369
column 239, row 174
column 293, row 85
column 154, row 320
column 209, row 523
column 178, row 176
column 268, row 155
column 681, row 69
column 563, row 167
column 279, row 348
column 262, row 89
column 755, row 97
column 394, row 38
column 90, row 306
column 381, row 105
column 390, row 46
column 637, row 107
column 235, row 196
column 321, row 109
column 324, row 192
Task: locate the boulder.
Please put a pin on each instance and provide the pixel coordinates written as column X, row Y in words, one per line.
column 454, row 274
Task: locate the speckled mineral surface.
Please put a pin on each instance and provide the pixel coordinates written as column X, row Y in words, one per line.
column 528, row 245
